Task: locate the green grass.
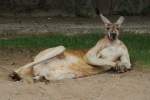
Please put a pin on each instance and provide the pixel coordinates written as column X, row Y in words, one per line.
column 138, row 45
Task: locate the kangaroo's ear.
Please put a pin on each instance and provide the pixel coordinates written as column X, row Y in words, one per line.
column 120, row 21
column 105, row 20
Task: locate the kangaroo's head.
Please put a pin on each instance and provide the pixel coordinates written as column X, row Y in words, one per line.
column 112, row 28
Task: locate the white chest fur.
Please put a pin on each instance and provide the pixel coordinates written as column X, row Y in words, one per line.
column 111, row 52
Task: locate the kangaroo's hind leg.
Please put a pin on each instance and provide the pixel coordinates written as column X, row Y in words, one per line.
column 27, row 70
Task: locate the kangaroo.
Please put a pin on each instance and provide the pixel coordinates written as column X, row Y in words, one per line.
column 56, row 63
column 110, row 52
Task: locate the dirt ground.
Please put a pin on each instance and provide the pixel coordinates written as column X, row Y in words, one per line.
column 42, row 25
column 133, row 85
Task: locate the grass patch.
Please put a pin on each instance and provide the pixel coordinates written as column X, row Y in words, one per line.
column 138, row 44
column 71, row 42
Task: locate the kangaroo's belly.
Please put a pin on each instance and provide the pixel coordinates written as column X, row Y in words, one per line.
column 69, row 66
column 56, row 68
column 111, row 53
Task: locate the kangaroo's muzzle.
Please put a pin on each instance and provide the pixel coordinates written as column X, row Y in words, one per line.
column 112, row 36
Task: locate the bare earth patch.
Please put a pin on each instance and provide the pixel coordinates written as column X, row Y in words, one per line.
column 133, row 85
column 10, row 26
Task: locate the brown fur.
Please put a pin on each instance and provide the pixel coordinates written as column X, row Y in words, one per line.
column 82, row 68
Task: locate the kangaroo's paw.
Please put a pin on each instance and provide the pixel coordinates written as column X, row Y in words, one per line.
column 14, row 76
column 121, row 68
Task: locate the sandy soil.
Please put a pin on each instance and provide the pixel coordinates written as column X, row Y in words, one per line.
column 133, row 85
column 70, row 26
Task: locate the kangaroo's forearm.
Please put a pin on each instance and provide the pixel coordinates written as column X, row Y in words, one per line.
column 106, row 64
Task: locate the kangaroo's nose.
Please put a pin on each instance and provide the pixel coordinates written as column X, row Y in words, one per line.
column 113, row 34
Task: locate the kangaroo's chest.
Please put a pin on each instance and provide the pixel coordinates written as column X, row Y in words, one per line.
column 111, row 53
